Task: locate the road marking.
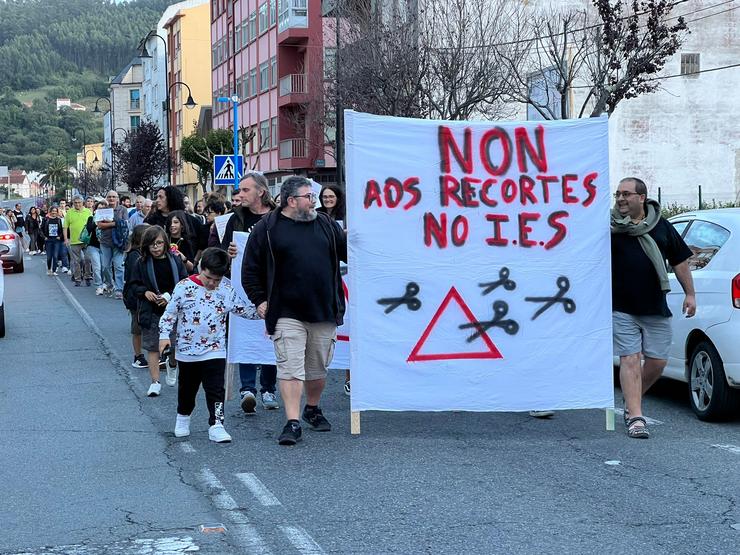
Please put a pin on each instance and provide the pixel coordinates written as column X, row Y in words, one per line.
column 301, row 540
column 258, row 489
column 169, row 546
column 186, row 447
column 726, row 447
column 648, row 420
column 244, row 533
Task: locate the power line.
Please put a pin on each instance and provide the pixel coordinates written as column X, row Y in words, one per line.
column 660, row 78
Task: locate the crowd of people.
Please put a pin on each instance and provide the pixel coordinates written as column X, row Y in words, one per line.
column 165, row 260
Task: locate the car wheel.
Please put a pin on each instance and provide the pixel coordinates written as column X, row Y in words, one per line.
column 2, row 320
column 711, row 398
column 18, row 268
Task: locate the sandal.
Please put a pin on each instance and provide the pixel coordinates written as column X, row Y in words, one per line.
column 635, row 431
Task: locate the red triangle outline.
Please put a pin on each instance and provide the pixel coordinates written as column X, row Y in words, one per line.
column 493, row 351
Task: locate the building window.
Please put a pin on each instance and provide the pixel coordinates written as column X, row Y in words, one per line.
column 135, row 121
column 690, row 64
column 273, row 13
column 134, row 99
column 253, row 141
column 178, row 119
column 273, row 72
column 239, row 88
column 265, row 135
column 264, row 76
column 330, row 61
column 263, row 18
column 274, row 132
column 245, row 34
column 252, row 26
column 253, row 81
column 177, row 41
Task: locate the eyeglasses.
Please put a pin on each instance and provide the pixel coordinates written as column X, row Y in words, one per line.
column 158, row 244
column 309, row 196
column 625, row 194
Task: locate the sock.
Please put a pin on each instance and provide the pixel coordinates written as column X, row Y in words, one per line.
column 311, row 408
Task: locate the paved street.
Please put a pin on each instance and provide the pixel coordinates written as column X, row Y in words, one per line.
column 90, row 465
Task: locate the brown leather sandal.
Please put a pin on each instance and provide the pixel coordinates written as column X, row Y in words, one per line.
column 635, row 431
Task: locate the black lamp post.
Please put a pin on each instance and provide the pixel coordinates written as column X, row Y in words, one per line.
column 96, row 110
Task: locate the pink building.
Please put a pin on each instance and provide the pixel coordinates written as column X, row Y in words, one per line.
column 270, row 53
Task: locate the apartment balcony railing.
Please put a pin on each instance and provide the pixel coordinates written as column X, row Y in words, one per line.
column 293, row 148
column 293, row 84
column 292, row 13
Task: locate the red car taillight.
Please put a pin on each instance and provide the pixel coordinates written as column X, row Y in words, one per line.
column 7, row 237
column 736, row 291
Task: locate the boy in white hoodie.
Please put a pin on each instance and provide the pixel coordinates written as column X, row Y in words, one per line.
column 199, row 306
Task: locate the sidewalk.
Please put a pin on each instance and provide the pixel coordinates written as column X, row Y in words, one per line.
column 82, row 462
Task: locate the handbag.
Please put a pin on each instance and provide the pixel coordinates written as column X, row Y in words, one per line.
column 85, row 236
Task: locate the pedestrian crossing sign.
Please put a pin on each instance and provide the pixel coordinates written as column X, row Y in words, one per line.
column 224, row 169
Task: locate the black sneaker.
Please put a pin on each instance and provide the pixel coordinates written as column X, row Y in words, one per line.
column 291, row 433
column 316, row 419
column 139, row 362
column 163, row 360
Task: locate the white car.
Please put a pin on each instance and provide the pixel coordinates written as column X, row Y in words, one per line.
column 705, row 352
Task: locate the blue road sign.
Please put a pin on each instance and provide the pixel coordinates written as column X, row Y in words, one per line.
column 224, row 169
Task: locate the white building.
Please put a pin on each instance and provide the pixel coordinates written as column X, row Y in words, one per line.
column 125, row 97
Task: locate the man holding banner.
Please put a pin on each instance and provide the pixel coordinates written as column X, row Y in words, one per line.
column 641, row 241
column 291, row 274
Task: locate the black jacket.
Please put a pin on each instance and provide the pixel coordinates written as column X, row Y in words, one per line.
column 129, row 300
column 142, row 279
column 258, row 266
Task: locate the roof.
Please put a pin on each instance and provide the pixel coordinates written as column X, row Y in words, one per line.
column 118, row 79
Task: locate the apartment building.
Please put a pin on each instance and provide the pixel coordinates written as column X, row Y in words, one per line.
column 270, row 54
column 125, row 98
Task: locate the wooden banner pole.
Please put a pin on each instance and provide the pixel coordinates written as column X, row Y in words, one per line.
column 355, row 423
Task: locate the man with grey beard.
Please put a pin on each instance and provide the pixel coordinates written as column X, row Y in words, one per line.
column 291, row 274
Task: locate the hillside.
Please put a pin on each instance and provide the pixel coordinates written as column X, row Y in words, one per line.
column 64, row 48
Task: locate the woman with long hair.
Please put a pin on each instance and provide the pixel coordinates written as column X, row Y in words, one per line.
column 167, row 199
column 182, row 238
column 332, row 203
column 33, row 226
column 133, row 253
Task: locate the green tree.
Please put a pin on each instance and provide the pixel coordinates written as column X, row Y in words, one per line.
column 199, row 151
column 57, row 174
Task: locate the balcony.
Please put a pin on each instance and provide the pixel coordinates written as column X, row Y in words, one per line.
column 292, row 89
column 293, row 154
column 292, row 21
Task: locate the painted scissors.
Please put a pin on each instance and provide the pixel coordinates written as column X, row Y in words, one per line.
column 504, row 280
column 500, row 309
column 569, row 304
column 409, row 299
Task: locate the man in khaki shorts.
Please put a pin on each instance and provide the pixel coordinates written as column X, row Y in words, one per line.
column 641, row 242
column 291, row 274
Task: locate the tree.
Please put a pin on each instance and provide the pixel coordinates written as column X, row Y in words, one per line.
column 141, row 159
column 199, row 151
column 57, row 174
column 614, row 52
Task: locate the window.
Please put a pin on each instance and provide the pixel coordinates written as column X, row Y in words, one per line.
column 263, row 18
column 245, row 86
column 134, row 99
column 253, row 141
column 177, row 41
column 252, row 26
column 135, row 121
column 178, row 119
column 264, row 76
column 265, row 134
column 681, row 226
column 239, row 88
column 273, row 13
column 245, row 34
column 237, row 39
column 274, row 132
column 330, row 60
column 689, row 64
column 704, row 239
column 253, row 81
column 273, row 72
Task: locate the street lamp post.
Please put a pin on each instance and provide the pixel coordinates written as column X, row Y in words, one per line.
column 189, row 104
column 84, row 165
column 96, row 110
column 235, row 103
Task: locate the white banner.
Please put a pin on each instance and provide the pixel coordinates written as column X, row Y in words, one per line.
column 480, row 261
column 248, row 340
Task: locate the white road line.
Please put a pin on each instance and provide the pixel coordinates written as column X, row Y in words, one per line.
column 186, row 447
column 301, row 540
column 726, row 447
column 258, row 489
column 163, row 546
column 650, row 421
column 244, row 533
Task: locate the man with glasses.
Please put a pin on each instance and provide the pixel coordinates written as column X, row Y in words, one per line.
column 74, row 223
column 641, row 242
column 112, row 256
column 291, row 274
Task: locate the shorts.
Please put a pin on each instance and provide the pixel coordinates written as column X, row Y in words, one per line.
column 150, row 339
column 303, row 350
column 649, row 335
column 135, row 328
column 20, row 230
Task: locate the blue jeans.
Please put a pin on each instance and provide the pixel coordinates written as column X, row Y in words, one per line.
column 53, row 248
column 64, row 255
column 94, row 254
column 248, row 377
column 112, row 255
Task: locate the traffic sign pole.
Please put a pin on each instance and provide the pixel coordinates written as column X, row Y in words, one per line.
column 235, row 102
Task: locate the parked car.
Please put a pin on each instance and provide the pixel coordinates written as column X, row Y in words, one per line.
column 13, row 259
column 3, row 249
column 705, row 352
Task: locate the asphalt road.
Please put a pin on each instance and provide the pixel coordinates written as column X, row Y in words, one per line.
column 90, row 465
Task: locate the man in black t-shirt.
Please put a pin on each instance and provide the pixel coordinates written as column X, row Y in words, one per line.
column 641, row 242
column 291, row 274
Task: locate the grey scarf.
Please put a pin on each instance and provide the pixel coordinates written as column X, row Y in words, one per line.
column 624, row 224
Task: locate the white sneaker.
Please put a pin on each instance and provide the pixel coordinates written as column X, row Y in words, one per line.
column 248, row 402
column 171, row 375
column 100, row 291
column 182, row 426
column 541, row 413
column 48, row 273
column 218, row 434
column 65, row 270
column 154, row 390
